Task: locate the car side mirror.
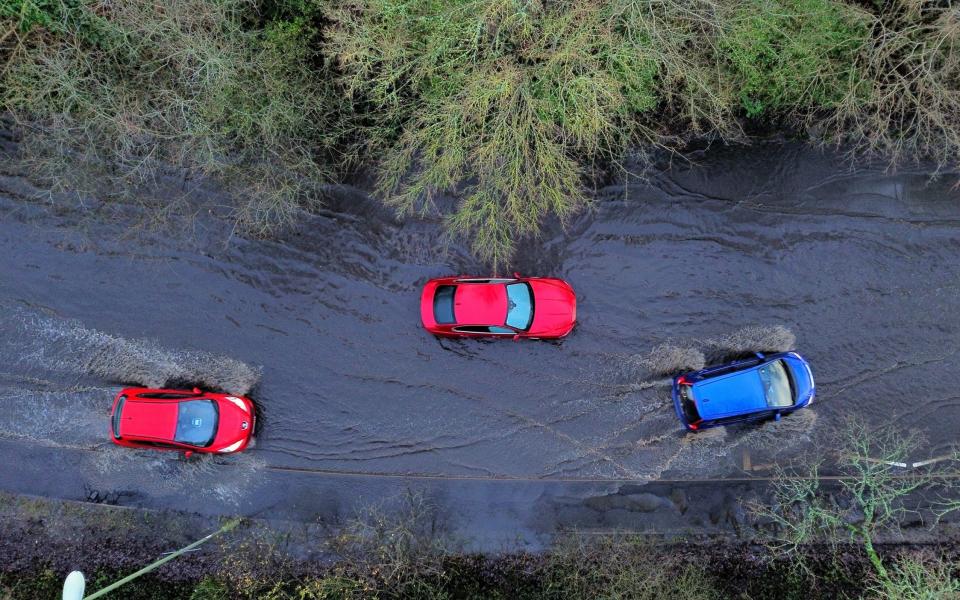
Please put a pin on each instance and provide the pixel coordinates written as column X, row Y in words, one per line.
column 187, row 453
column 516, row 336
column 776, row 416
column 196, row 390
column 517, row 275
column 760, row 355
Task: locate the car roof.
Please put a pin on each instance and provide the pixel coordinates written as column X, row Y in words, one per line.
column 156, row 419
column 735, row 393
column 480, row 304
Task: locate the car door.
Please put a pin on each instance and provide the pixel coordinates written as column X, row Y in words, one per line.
column 151, row 445
column 756, row 416
column 484, row 331
column 730, row 367
column 168, row 395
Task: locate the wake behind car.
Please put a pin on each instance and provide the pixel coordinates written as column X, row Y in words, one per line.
column 761, row 387
column 185, row 420
column 517, row 307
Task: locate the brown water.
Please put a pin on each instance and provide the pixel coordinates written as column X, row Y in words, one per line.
column 771, row 247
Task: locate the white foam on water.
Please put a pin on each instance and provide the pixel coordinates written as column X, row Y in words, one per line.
column 224, row 478
column 755, row 338
column 789, row 433
column 69, row 418
column 671, row 359
column 661, row 445
column 68, row 346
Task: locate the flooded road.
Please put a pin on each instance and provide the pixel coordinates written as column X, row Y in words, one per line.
column 764, row 248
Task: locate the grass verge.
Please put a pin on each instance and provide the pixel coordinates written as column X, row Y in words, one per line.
column 400, row 551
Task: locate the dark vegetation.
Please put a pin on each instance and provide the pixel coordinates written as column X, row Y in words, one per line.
column 110, row 94
column 512, row 108
column 580, row 568
column 809, row 537
column 873, row 498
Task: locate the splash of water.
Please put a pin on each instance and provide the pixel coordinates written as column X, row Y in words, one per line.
column 223, row 478
column 68, row 346
column 669, row 359
column 72, row 417
column 756, row 338
column 711, row 450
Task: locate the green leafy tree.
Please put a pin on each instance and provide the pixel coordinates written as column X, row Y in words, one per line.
column 794, row 54
column 510, row 105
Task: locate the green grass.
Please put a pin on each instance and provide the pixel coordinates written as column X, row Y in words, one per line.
column 400, row 549
column 622, row 567
column 46, row 583
column 608, row 567
column 919, row 578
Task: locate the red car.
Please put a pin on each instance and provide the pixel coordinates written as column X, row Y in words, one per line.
column 184, row 420
column 532, row 307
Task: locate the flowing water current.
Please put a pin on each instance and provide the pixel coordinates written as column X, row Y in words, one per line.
column 764, row 248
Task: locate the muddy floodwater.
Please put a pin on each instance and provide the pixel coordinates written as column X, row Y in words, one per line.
column 770, row 247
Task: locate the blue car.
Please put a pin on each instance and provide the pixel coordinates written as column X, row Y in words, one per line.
column 761, row 387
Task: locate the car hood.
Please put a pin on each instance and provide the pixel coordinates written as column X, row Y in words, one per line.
column 802, row 378
column 229, row 429
column 554, row 307
column 148, row 419
column 732, row 394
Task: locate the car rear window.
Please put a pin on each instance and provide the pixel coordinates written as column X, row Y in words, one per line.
column 196, row 422
column 115, row 422
column 443, row 304
column 688, row 405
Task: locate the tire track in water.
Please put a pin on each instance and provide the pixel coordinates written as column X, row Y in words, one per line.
column 118, row 469
column 870, row 375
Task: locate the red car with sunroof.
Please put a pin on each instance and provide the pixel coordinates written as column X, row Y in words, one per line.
column 185, row 420
column 531, row 307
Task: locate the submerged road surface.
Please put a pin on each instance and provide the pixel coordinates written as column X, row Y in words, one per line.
column 749, row 249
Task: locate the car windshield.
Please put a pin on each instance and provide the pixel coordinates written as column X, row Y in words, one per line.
column 776, row 384
column 443, row 304
column 519, row 306
column 196, row 422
